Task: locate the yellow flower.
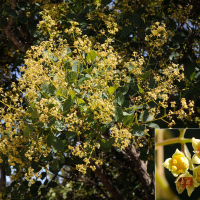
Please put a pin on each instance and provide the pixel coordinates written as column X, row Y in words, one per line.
column 178, row 164
column 186, row 181
column 196, row 147
column 196, row 173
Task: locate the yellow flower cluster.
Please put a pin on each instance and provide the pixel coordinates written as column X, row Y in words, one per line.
column 79, row 89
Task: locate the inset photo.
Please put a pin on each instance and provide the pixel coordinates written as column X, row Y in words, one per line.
column 177, row 164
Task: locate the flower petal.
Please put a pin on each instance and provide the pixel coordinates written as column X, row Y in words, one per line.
column 175, row 173
column 178, row 153
column 168, row 163
column 195, row 144
column 190, row 190
column 196, row 173
column 196, row 159
column 195, row 183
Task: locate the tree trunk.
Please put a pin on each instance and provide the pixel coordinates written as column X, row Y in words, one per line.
column 2, row 180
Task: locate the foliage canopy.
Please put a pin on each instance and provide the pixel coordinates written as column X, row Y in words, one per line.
column 96, row 82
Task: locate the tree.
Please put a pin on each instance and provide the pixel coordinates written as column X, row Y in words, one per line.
column 115, row 79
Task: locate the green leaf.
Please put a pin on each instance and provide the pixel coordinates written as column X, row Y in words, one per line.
column 102, row 129
column 66, row 51
column 106, row 2
column 44, row 174
column 43, row 191
column 140, row 89
column 80, row 101
column 143, row 154
column 145, row 75
column 71, row 134
column 32, row 109
column 118, row 114
column 120, row 98
column 11, row 12
column 111, row 141
column 59, row 125
column 189, row 68
column 126, row 104
column 21, row 6
column 138, row 130
column 124, row 90
column 52, row 184
column 91, row 56
column 152, row 83
column 34, row 165
column 72, row 94
column 58, row 144
column 174, row 55
column 177, row 38
column 51, row 121
column 22, row 188
column 62, row 159
column 153, row 125
column 192, row 75
column 87, row 71
column 67, row 65
column 185, row 93
column 128, row 120
column 48, row 88
column 67, row 104
column 77, row 67
column 32, row 30
column 71, row 77
column 112, row 89
column 145, row 117
column 83, row 25
column 197, row 75
column 105, row 145
column 8, row 170
column 150, row 167
column 133, row 89
column 55, row 164
column 126, row 30
column 27, row 130
column 34, row 114
column 49, row 139
column 81, row 80
column 135, row 18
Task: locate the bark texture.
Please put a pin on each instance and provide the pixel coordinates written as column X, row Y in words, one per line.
column 10, row 28
column 2, row 181
column 107, row 183
column 141, row 168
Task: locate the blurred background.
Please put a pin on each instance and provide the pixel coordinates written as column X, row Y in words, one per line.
column 164, row 180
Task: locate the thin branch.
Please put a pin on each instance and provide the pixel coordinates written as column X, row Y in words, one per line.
column 141, row 168
column 9, row 31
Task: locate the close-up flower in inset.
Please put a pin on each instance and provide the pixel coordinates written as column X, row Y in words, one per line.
column 178, row 164
column 196, row 173
column 196, row 147
column 186, row 181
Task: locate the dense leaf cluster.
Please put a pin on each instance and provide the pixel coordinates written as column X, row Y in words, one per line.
column 133, row 19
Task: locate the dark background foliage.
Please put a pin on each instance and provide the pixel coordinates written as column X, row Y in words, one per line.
column 18, row 20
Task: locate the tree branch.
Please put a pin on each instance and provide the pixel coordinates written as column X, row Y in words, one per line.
column 2, row 181
column 126, row 162
column 141, row 167
column 107, row 182
column 9, row 32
